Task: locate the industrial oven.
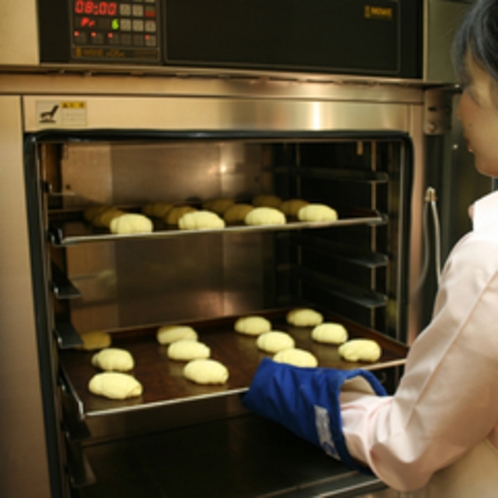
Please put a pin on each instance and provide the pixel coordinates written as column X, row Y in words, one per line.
column 88, row 119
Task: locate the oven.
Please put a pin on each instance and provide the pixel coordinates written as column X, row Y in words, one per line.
column 87, row 132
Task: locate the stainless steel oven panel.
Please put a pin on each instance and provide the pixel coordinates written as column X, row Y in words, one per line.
column 22, row 426
column 164, row 113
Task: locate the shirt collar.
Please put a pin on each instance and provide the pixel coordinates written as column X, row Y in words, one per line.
column 485, row 211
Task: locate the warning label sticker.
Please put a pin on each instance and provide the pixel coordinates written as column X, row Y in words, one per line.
column 61, row 114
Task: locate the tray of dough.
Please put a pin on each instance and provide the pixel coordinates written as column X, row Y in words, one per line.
column 162, row 378
column 68, row 228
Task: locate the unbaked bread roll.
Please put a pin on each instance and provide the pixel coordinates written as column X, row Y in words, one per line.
column 186, row 350
column 157, row 209
column 237, row 213
column 304, row 317
column 317, row 213
column 330, row 333
column 275, row 341
column 172, row 333
column 219, row 205
column 252, row 325
column 264, row 216
column 113, row 359
column 297, row 357
column 267, row 200
column 131, row 223
column 115, row 385
column 95, row 340
column 360, row 350
column 105, row 217
column 291, row 207
column 200, row 220
column 92, row 211
column 174, row 214
column 206, row 371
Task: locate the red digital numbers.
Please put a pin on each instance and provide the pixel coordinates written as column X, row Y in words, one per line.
column 95, row 8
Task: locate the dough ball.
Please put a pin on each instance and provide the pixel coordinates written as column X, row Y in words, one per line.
column 206, row 372
column 172, row 333
column 92, row 211
column 186, row 350
column 360, row 350
column 174, row 214
column 219, row 205
column 330, row 333
column 131, row 223
column 113, row 359
column 157, row 209
column 275, row 341
column 252, row 325
column 200, row 220
column 304, row 317
column 292, row 206
column 105, row 217
column 297, row 357
column 95, row 340
column 267, row 200
column 265, row 216
column 115, row 385
column 317, row 212
column 237, row 213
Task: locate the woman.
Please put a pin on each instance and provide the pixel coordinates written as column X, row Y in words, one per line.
column 437, row 436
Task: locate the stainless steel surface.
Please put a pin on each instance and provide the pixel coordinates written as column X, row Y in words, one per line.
column 69, row 239
column 22, row 432
column 166, row 113
column 18, row 32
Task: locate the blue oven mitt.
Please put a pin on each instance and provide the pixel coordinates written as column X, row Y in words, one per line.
column 306, row 401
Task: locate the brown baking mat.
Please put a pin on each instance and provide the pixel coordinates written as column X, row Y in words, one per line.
column 162, row 378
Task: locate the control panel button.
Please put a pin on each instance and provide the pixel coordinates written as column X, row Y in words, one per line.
column 80, row 37
column 150, row 26
column 125, row 39
column 113, row 39
column 137, row 10
column 150, row 40
column 125, row 9
column 137, row 25
column 96, row 38
column 150, row 11
column 138, row 40
column 125, row 25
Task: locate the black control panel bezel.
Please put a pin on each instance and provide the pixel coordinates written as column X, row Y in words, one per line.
column 215, row 34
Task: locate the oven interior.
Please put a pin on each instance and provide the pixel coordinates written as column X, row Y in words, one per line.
column 354, row 270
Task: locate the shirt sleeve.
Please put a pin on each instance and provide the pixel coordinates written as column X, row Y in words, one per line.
column 447, row 400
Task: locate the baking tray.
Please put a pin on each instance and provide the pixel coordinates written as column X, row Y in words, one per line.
column 66, row 232
column 162, row 378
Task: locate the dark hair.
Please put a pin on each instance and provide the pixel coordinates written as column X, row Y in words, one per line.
column 478, row 35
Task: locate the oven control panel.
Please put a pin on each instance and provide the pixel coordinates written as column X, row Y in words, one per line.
column 115, row 30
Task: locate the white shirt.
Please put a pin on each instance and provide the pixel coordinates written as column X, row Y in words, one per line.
column 446, row 404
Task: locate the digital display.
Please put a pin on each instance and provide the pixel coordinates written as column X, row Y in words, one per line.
column 95, row 8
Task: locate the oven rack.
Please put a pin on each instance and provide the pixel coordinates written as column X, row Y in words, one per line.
column 162, row 378
column 67, row 233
